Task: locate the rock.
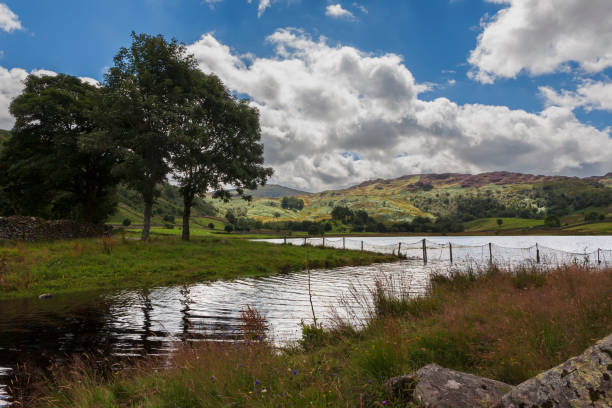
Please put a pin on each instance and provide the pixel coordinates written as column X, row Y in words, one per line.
column 582, row 381
column 45, row 296
column 435, row 386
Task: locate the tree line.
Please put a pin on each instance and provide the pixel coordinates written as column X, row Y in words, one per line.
column 156, row 116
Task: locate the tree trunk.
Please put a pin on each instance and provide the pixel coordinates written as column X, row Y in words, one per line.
column 187, row 203
column 146, row 228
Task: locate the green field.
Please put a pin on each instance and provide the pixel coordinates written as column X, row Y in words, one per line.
column 99, row 264
column 594, row 228
column 490, row 224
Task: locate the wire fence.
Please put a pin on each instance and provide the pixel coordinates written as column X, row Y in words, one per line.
column 434, row 252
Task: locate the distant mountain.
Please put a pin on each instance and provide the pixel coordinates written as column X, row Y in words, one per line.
column 275, row 191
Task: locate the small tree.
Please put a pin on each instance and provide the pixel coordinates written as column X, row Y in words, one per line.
column 126, row 222
column 146, row 90
column 229, row 228
column 219, row 145
column 211, row 225
column 499, row 222
column 552, row 221
column 230, row 217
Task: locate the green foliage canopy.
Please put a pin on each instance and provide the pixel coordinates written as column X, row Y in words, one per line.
column 145, row 91
column 292, row 203
column 217, row 145
column 57, row 164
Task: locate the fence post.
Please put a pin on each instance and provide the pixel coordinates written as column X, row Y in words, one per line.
column 305, row 241
column 424, row 252
column 361, row 246
column 343, row 242
column 450, row 247
column 285, row 240
column 598, row 256
column 490, row 254
column 323, row 242
column 537, row 253
column 399, row 249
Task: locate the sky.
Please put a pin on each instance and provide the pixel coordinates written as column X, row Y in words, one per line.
column 352, row 91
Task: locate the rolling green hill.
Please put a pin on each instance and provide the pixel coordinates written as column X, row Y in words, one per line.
column 520, row 200
column 488, row 195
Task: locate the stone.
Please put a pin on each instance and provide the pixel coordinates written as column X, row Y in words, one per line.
column 582, row 381
column 18, row 228
column 45, row 296
column 436, row 386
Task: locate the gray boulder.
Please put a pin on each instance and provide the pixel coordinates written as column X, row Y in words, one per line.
column 582, row 381
column 435, row 386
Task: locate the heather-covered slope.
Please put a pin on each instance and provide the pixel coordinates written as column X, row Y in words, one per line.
column 487, row 195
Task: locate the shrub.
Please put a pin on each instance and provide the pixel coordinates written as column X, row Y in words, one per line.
column 127, row 222
column 552, row 221
column 312, row 336
column 229, row 228
column 211, row 225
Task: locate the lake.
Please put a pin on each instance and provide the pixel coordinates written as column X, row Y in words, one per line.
column 504, row 250
column 152, row 321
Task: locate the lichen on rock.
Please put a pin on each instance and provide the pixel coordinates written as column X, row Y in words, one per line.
column 582, row 381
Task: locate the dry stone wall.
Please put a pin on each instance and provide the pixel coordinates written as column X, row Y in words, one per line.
column 36, row 229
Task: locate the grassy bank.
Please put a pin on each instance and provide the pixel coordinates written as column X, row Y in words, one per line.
column 96, row 264
column 503, row 325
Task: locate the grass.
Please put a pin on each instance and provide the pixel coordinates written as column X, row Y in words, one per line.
column 490, row 224
column 504, row 325
column 108, row 263
column 594, row 228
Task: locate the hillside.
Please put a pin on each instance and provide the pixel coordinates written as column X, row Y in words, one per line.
column 478, row 201
column 167, row 210
column 275, row 191
column 496, row 194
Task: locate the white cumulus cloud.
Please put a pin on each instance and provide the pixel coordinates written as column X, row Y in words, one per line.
column 591, row 95
column 333, row 115
column 337, row 11
column 263, row 5
column 541, row 36
column 9, row 21
column 11, row 85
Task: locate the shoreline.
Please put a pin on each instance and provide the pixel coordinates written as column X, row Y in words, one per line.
column 70, row 266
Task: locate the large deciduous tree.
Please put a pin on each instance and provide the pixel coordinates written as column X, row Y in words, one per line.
column 146, row 92
column 219, row 145
column 55, row 163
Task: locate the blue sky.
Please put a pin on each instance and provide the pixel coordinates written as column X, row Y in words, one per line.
column 461, row 51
